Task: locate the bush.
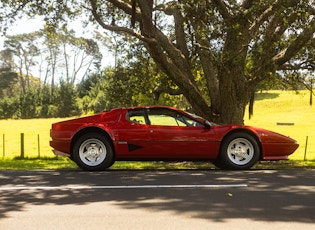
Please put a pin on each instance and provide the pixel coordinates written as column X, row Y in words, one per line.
column 8, row 107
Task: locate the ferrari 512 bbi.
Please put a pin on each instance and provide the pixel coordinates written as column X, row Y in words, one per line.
column 156, row 133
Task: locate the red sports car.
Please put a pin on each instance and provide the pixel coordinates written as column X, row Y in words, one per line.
column 164, row 133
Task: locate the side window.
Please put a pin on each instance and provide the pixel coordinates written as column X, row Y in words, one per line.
column 167, row 117
column 161, row 117
column 135, row 116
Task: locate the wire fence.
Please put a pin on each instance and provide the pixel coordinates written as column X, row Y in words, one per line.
column 23, row 145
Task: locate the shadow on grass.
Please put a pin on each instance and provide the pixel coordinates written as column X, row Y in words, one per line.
column 18, row 163
column 60, row 163
column 265, row 95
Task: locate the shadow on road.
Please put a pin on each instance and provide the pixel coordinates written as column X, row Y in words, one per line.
column 271, row 195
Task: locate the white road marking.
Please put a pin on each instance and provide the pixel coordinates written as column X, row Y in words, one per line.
column 78, row 187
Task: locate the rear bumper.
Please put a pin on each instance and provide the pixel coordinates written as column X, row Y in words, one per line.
column 59, row 153
column 60, row 148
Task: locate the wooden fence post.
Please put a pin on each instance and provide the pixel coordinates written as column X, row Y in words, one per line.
column 38, row 145
column 3, row 146
column 22, row 145
column 305, row 148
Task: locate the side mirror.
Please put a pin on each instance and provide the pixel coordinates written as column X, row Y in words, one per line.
column 207, row 124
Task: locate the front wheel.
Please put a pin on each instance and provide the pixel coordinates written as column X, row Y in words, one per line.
column 239, row 151
column 93, row 152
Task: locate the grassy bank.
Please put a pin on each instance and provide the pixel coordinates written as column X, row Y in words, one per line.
column 274, row 107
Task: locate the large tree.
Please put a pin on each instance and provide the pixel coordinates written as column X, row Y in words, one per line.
column 236, row 44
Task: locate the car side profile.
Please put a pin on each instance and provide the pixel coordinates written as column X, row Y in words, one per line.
column 151, row 133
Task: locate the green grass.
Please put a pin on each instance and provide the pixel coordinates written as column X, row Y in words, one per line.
column 37, row 163
column 270, row 108
column 66, row 164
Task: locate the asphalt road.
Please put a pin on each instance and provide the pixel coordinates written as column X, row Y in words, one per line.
column 185, row 199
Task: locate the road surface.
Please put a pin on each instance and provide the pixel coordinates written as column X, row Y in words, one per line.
column 176, row 199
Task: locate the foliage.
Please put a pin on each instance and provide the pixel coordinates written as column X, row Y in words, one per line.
column 8, row 107
column 138, row 84
column 41, row 103
column 66, row 100
column 27, row 106
column 215, row 53
column 7, row 79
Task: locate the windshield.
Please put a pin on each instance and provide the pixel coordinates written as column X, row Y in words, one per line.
column 202, row 119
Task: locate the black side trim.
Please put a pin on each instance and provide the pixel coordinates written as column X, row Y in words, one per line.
column 132, row 147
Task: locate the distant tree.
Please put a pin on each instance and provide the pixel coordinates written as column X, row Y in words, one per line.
column 27, row 104
column 22, row 47
column 7, row 79
column 9, row 107
column 65, row 100
column 7, row 76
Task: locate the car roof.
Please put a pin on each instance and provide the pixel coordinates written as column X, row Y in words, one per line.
column 152, row 107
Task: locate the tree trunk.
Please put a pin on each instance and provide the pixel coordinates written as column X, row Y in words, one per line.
column 232, row 102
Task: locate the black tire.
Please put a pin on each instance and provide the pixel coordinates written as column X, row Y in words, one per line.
column 239, row 151
column 93, row 152
column 217, row 163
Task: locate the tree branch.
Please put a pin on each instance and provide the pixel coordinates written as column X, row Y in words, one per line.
column 262, row 18
column 223, row 9
column 247, row 4
column 123, row 5
column 286, row 54
column 115, row 28
column 180, row 32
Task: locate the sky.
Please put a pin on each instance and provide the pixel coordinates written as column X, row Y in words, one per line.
column 23, row 26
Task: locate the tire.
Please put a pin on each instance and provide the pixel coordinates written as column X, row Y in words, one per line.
column 93, row 152
column 217, row 163
column 239, row 151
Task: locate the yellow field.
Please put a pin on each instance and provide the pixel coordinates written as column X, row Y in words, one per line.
column 270, row 108
column 10, row 131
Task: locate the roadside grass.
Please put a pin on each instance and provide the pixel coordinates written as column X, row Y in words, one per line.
column 270, row 108
column 47, row 163
column 66, row 164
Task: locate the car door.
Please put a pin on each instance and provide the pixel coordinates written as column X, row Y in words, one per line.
column 133, row 135
column 176, row 136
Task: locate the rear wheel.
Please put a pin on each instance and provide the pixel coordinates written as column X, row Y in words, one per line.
column 93, row 152
column 239, row 151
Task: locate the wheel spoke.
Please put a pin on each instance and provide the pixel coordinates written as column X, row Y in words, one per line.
column 92, row 152
column 240, row 151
